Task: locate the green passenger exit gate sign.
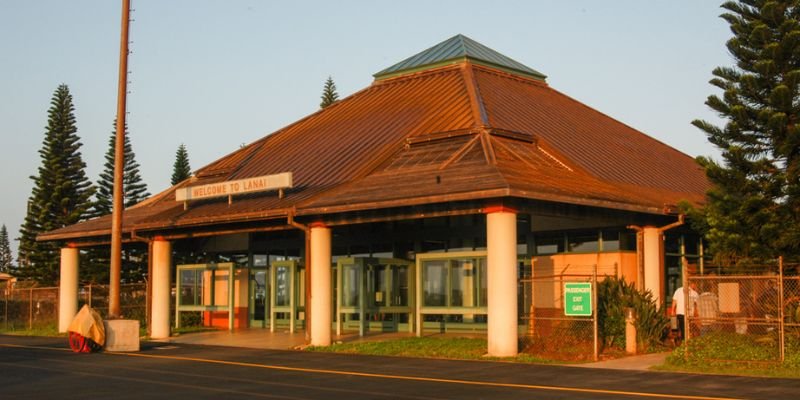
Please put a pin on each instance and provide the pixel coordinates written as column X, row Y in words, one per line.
column 578, row 299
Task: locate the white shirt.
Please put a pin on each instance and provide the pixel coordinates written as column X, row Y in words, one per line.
column 680, row 301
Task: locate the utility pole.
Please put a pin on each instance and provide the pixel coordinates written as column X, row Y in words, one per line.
column 119, row 165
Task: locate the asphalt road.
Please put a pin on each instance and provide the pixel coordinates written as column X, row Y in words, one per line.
column 44, row 368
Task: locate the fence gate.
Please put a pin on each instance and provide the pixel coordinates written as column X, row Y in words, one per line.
column 562, row 313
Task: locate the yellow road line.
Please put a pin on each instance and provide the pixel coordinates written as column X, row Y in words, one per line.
column 400, row 377
column 422, row 379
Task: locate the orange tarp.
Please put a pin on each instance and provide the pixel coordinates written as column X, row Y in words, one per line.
column 88, row 324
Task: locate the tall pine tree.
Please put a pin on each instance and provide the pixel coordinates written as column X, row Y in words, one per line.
column 181, row 169
column 96, row 268
column 61, row 193
column 6, row 258
column 753, row 210
column 329, row 95
column 135, row 190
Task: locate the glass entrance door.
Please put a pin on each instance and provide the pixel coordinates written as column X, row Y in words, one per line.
column 259, row 295
column 374, row 294
column 286, row 295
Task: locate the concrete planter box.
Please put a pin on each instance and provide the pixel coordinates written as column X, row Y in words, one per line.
column 122, row 335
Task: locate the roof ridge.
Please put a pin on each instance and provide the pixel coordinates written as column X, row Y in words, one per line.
column 481, row 119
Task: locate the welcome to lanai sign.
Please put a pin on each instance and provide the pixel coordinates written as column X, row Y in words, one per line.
column 242, row 186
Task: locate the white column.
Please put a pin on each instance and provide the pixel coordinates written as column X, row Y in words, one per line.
column 653, row 260
column 320, row 285
column 501, row 244
column 68, row 288
column 162, row 268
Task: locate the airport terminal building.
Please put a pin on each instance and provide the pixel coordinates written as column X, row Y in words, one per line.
column 416, row 203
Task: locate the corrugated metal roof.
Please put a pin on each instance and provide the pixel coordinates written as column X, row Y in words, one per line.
column 418, row 139
column 603, row 146
column 458, row 47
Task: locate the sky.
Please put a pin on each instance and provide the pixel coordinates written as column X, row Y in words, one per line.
column 214, row 75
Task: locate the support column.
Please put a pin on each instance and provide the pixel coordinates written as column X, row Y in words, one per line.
column 68, row 288
column 162, row 268
column 653, row 261
column 320, row 285
column 501, row 246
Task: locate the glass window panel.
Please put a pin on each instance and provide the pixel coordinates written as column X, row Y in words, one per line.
column 549, row 244
column 627, row 241
column 691, row 245
column 458, row 282
column 434, row 283
column 189, row 287
column 482, row 295
column 582, row 243
column 260, row 260
column 300, row 298
column 672, row 244
column 611, row 240
column 400, row 286
column 259, row 282
column 350, row 280
column 464, row 284
column 282, row 289
column 377, row 283
column 672, row 269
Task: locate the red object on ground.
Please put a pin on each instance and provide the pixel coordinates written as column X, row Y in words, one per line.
column 80, row 344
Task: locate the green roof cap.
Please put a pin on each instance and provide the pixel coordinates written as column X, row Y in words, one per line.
column 457, row 48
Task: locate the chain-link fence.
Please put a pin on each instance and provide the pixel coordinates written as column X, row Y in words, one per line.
column 557, row 328
column 36, row 309
column 29, row 308
column 743, row 314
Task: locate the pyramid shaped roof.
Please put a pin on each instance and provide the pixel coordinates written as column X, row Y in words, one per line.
column 456, row 49
column 454, row 132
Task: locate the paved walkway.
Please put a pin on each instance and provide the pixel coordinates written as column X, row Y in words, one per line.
column 283, row 340
column 633, row 363
column 279, row 340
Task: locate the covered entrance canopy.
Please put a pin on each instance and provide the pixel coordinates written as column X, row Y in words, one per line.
column 455, row 132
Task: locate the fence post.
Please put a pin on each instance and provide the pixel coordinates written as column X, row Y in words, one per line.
column 686, row 300
column 781, row 327
column 532, row 311
column 30, row 310
column 594, row 312
column 5, row 316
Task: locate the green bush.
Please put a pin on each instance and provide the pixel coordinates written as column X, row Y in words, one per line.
column 614, row 295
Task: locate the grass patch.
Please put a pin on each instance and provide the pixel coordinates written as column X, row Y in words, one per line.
column 425, row 347
column 44, row 330
column 739, row 368
column 735, row 354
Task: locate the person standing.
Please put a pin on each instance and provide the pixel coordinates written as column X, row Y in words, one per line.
column 680, row 307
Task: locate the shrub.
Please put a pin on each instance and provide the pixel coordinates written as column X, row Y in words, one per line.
column 613, row 296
